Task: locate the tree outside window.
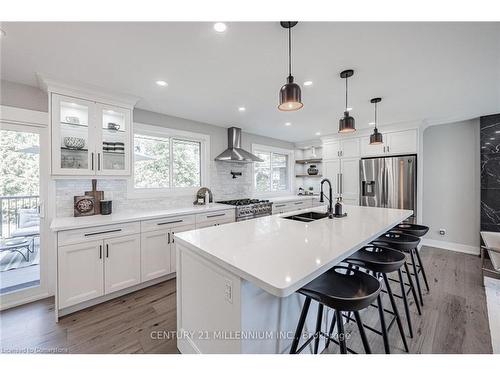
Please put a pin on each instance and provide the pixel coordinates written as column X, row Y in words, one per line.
column 273, row 173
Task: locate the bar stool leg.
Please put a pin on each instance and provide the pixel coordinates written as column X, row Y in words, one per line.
column 300, row 326
column 412, row 254
column 362, row 333
column 318, row 328
column 421, row 265
column 405, row 300
column 413, row 291
column 332, row 326
column 340, row 331
column 396, row 312
column 382, row 325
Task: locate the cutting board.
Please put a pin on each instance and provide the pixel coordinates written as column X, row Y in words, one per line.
column 98, row 197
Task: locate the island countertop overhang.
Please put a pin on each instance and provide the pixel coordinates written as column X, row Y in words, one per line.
column 280, row 255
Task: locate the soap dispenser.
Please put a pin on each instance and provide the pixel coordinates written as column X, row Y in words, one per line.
column 338, row 207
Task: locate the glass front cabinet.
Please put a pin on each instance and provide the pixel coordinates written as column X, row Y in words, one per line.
column 89, row 138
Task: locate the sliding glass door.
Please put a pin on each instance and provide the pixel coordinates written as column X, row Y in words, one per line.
column 23, row 185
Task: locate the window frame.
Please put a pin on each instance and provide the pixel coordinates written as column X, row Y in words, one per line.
column 290, row 166
column 164, row 132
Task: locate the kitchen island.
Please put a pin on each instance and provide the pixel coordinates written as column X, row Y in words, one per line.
column 236, row 283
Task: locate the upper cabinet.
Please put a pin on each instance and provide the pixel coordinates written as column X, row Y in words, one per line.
column 91, row 132
column 395, row 143
column 345, row 148
column 89, row 138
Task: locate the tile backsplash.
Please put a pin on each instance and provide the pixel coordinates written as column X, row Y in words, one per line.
column 222, row 184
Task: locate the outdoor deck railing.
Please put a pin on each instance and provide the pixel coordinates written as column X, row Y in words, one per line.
column 9, row 211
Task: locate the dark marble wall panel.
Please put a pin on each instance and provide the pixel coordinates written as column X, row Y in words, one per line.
column 490, row 173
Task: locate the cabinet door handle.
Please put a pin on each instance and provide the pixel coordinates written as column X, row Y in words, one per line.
column 299, row 203
column 170, row 222
column 208, row 216
column 168, row 237
column 100, row 251
column 107, row 251
column 388, row 149
column 384, row 148
column 173, row 239
column 92, row 160
column 103, row 232
column 98, row 161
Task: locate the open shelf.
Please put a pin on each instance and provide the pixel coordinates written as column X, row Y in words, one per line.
column 308, row 175
column 308, row 161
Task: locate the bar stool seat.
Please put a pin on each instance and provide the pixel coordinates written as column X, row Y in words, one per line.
column 342, row 289
column 379, row 259
column 397, row 240
column 413, row 229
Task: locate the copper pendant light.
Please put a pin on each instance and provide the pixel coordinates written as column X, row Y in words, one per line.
column 290, row 93
column 347, row 123
column 376, row 137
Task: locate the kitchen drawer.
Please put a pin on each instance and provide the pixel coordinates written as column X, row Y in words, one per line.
column 76, row 236
column 166, row 222
column 226, row 215
column 214, row 223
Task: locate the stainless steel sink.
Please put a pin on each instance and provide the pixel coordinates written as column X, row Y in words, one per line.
column 307, row 217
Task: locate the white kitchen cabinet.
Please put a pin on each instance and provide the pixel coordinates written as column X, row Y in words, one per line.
column 331, row 150
column 213, row 223
column 155, row 254
column 80, row 272
column 122, row 264
column 349, row 181
column 294, row 205
column 402, row 142
column 395, row 143
column 89, row 138
column 331, row 170
column 173, row 255
column 349, row 148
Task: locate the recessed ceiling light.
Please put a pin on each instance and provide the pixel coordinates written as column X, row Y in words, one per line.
column 242, row 109
column 220, row 27
column 162, row 83
column 308, row 83
column 371, row 123
column 318, row 133
column 288, row 123
column 349, row 109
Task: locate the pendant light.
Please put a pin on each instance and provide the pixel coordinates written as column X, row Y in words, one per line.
column 376, row 137
column 346, row 124
column 290, row 95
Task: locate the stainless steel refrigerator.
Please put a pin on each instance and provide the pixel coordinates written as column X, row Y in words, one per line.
column 389, row 182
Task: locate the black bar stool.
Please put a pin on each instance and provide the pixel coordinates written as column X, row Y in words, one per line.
column 382, row 261
column 416, row 230
column 342, row 289
column 406, row 243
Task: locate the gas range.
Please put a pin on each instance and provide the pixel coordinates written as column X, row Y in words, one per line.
column 250, row 208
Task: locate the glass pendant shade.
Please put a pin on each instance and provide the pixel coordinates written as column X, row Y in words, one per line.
column 376, row 138
column 290, row 96
column 347, row 124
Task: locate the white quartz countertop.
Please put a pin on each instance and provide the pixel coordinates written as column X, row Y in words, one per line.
column 67, row 223
column 281, row 255
column 289, row 198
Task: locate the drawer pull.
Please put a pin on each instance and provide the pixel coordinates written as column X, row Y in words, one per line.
column 208, row 216
column 280, row 205
column 100, row 251
column 103, row 232
column 168, row 235
column 170, row 222
column 107, row 251
column 298, row 202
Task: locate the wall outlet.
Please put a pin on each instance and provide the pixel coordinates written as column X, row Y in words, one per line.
column 442, row 232
column 228, row 290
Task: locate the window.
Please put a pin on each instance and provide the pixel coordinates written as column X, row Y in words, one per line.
column 167, row 160
column 273, row 174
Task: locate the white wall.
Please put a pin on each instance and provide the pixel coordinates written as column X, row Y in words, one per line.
column 22, row 96
column 451, row 194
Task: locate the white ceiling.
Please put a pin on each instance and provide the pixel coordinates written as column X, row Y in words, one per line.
column 432, row 72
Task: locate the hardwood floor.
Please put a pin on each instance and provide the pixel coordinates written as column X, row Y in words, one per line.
column 454, row 318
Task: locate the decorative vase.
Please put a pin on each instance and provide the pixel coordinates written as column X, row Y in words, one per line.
column 312, row 170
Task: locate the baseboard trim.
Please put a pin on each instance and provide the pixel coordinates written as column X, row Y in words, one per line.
column 458, row 247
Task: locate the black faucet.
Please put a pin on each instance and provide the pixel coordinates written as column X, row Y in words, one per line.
column 330, row 199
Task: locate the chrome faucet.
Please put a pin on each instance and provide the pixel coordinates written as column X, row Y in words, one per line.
column 329, row 211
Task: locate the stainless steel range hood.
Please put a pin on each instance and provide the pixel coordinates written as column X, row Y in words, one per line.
column 234, row 152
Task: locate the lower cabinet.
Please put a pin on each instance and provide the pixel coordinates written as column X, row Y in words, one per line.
column 281, row 208
column 122, row 262
column 93, row 268
column 80, row 272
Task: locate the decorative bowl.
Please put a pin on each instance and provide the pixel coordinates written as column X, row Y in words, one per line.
column 74, row 142
column 113, row 126
column 312, row 170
